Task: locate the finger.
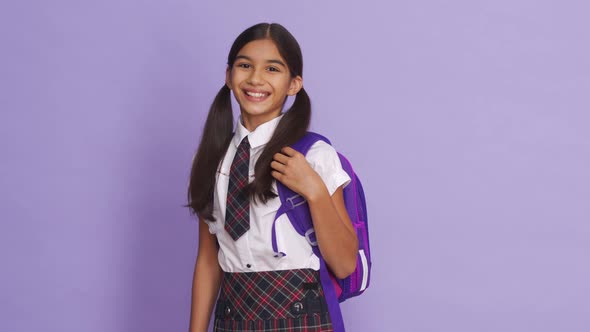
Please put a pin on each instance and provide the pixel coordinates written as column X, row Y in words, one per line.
column 278, row 166
column 277, row 175
column 281, row 158
column 289, row 151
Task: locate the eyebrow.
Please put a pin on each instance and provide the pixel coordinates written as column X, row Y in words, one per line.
column 279, row 62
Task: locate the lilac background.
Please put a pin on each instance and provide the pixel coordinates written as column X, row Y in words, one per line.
column 468, row 122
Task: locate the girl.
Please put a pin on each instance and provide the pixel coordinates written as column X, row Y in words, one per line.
column 233, row 191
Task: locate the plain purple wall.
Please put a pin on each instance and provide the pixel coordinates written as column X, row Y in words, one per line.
column 468, row 121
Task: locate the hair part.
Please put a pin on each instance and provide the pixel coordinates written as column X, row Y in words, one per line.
column 218, row 129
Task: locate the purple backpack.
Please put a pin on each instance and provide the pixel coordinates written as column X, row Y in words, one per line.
column 336, row 290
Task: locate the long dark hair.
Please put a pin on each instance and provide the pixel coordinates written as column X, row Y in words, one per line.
column 218, row 130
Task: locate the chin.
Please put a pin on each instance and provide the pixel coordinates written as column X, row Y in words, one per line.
column 258, row 112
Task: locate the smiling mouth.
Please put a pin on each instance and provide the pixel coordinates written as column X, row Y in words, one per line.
column 256, row 96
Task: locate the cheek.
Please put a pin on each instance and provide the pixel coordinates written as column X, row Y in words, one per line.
column 237, row 77
column 235, row 82
column 283, row 86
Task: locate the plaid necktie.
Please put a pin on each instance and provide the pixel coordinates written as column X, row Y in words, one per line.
column 237, row 212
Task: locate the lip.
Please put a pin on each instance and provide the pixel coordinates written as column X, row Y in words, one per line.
column 255, row 99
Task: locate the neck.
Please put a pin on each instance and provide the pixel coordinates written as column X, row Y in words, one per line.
column 251, row 122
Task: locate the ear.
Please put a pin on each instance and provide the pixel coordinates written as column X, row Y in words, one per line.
column 228, row 77
column 296, row 85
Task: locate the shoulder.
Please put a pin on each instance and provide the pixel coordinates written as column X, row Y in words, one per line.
column 321, row 149
column 324, row 159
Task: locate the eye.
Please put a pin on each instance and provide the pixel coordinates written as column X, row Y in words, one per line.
column 244, row 65
column 273, row 69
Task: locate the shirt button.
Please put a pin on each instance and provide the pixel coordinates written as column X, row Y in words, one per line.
column 248, row 265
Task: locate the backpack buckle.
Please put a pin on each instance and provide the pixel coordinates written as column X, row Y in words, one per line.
column 295, row 204
column 307, row 236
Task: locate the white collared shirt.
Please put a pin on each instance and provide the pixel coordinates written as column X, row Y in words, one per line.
column 253, row 251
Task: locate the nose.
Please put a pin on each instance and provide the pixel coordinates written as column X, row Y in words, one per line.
column 255, row 77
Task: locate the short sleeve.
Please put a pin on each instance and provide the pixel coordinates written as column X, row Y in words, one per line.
column 212, row 226
column 324, row 159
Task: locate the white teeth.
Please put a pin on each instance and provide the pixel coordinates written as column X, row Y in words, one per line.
column 256, row 94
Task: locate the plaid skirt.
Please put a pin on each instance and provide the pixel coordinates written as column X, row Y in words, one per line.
column 286, row 301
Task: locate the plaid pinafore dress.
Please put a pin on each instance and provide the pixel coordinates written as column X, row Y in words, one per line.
column 287, row 300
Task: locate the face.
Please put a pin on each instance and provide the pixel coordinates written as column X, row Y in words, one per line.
column 260, row 81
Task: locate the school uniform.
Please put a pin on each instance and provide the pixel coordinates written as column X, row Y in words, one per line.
column 261, row 291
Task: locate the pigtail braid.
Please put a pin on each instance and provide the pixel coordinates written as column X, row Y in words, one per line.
column 292, row 127
column 216, row 136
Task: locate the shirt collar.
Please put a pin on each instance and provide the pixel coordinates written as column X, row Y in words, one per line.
column 260, row 136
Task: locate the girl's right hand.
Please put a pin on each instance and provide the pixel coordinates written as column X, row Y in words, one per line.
column 206, row 280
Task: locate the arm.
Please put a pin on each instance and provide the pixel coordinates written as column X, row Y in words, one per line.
column 334, row 231
column 206, row 280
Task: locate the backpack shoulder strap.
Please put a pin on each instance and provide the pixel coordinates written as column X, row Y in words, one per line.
column 298, row 212
column 290, row 200
column 305, row 143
